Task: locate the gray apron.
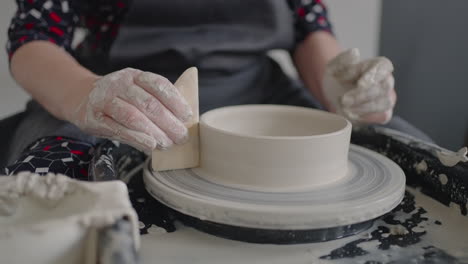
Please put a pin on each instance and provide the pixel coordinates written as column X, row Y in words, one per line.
column 226, row 40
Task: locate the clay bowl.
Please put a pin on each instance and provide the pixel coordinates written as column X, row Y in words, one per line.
column 273, row 147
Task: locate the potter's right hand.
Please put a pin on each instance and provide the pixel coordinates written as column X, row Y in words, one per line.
column 138, row 108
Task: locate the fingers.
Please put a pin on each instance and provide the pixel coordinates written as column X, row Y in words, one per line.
column 133, row 72
column 360, row 95
column 157, row 113
column 377, row 118
column 343, row 66
column 131, row 118
column 379, row 110
column 113, row 130
column 368, row 87
column 380, row 104
column 374, row 71
column 344, row 59
column 166, row 93
column 110, row 86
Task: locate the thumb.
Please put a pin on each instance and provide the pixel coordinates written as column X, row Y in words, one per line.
column 341, row 65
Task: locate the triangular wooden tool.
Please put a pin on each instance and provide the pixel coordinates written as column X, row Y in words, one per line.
column 186, row 155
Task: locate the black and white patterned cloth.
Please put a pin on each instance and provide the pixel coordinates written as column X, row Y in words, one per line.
column 55, row 155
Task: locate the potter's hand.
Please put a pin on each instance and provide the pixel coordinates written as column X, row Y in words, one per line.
column 362, row 91
column 138, row 108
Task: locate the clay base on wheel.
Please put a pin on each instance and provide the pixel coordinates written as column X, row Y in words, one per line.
column 373, row 186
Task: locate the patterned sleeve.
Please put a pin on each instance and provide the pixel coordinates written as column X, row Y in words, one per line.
column 102, row 19
column 49, row 20
column 309, row 16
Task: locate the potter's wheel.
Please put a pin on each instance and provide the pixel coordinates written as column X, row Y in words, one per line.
column 373, row 186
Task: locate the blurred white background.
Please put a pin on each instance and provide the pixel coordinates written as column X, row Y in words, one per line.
column 12, row 98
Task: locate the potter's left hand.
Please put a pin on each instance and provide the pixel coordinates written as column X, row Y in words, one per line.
column 362, row 91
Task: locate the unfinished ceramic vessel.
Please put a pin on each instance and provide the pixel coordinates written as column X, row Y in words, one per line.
column 273, row 147
column 55, row 219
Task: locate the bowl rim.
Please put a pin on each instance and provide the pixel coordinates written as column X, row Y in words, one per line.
column 343, row 130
